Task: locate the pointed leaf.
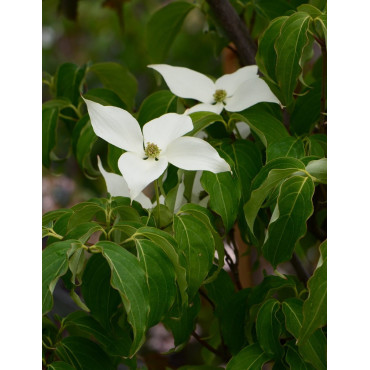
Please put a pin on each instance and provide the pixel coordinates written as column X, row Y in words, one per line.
column 289, row 47
column 315, row 306
column 249, row 358
column 287, row 147
column 129, row 279
column 202, row 120
column 288, row 222
column 197, row 243
column 163, row 27
column 160, row 276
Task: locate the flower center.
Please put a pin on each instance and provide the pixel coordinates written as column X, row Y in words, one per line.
column 152, row 150
column 219, row 96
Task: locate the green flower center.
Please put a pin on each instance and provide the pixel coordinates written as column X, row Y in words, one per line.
column 152, row 150
column 219, row 96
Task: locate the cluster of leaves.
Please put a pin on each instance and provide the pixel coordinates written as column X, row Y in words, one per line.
column 128, row 270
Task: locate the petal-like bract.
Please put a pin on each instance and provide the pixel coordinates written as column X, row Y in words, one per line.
column 231, row 82
column 249, row 93
column 187, row 83
column 191, row 153
column 139, row 172
column 163, row 130
column 117, row 186
column 116, row 126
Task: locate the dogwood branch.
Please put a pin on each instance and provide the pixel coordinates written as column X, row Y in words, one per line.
column 235, row 29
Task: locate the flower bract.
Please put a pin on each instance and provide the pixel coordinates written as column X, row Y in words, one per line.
column 149, row 151
column 234, row 92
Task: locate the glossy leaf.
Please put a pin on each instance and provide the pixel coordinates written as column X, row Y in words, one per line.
column 224, row 192
column 315, row 306
column 160, row 277
column 117, row 78
column 97, row 292
column 318, row 169
column 266, row 181
column 60, row 365
column 288, row 222
column 83, row 354
column 163, row 27
column 197, row 243
column 84, row 212
column 251, row 357
column 87, row 325
column 105, row 97
column 294, row 359
column 84, row 231
column 289, row 47
column 155, row 105
column 287, row 147
column 169, row 246
column 201, row 120
column 314, row 349
column 129, row 279
column 56, row 103
column 268, row 329
column 68, row 80
column 54, row 265
column 266, row 126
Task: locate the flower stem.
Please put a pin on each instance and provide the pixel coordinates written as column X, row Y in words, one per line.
column 157, row 198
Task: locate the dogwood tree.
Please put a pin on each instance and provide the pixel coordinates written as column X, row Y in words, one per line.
column 213, row 222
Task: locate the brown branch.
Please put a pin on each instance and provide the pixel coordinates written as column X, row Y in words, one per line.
column 206, row 345
column 235, row 29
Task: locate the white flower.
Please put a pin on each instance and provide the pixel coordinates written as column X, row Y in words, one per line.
column 149, row 152
column 234, row 92
column 117, row 187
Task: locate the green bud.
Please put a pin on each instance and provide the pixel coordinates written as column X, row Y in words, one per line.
column 152, row 150
column 219, row 96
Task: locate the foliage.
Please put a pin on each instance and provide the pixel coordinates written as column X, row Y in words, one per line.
column 127, row 267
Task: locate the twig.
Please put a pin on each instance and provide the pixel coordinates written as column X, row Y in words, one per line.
column 206, row 345
column 235, row 30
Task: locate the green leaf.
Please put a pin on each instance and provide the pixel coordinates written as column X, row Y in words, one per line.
column 315, row 306
column 251, row 357
column 97, row 292
column 271, row 9
column 294, row 359
column 155, row 105
column 266, row 126
column 54, row 265
column 206, row 217
column 310, row 10
column 163, row 27
column 266, row 181
column 117, row 78
column 321, row 27
column 85, row 142
column 181, row 320
column 306, row 110
column 49, row 126
column 170, row 248
column 202, row 120
column 68, row 81
column 56, row 103
column 197, row 243
column 105, row 97
column 129, row 279
column 266, row 54
column 248, row 162
column 318, row 145
column 83, row 231
column 289, row 48
column 60, row 365
column 287, row 147
column 314, row 349
column 224, row 192
column 54, row 215
column 268, row 329
column 318, row 169
column 86, row 324
column 160, row 276
column 288, row 222
column 84, row 212
column 83, row 354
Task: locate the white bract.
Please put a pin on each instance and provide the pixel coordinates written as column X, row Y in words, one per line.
column 117, row 187
column 234, row 92
column 149, row 152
